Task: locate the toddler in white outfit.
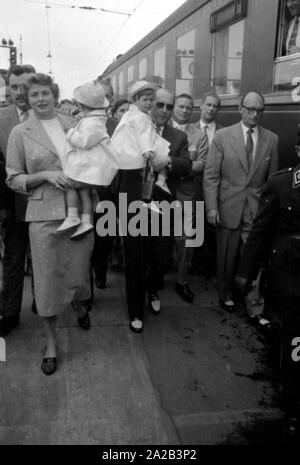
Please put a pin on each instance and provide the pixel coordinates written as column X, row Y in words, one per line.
column 89, row 158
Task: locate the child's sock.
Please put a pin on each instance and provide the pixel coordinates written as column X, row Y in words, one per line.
column 86, row 218
column 72, row 212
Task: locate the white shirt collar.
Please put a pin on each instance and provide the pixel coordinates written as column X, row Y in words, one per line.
column 21, row 112
column 176, row 125
column 246, row 129
column 211, row 126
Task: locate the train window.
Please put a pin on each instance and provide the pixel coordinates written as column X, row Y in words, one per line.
column 185, row 63
column 287, row 62
column 142, row 68
column 130, row 72
column 227, row 55
column 160, row 66
column 121, row 83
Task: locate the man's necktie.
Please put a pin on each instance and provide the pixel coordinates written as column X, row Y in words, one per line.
column 204, row 129
column 293, row 38
column 249, row 148
column 23, row 116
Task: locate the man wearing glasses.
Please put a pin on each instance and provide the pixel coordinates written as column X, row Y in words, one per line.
column 240, row 160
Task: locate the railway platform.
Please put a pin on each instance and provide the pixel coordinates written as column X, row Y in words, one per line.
column 196, row 375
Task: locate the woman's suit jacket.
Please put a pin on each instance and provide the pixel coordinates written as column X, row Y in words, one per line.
column 30, row 151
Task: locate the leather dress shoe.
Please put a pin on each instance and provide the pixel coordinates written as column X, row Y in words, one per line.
column 49, row 365
column 100, row 283
column 227, row 305
column 261, row 324
column 154, row 304
column 292, row 428
column 184, row 291
column 85, row 321
column 136, row 325
column 8, row 323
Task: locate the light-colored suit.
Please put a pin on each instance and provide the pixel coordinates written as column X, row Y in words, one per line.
column 190, row 187
column 60, row 266
column 30, row 151
column 230, row 188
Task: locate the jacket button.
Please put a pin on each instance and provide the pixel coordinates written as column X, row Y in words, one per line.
column 289, row 208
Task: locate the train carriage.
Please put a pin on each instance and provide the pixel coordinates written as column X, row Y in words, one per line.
column 230, row 46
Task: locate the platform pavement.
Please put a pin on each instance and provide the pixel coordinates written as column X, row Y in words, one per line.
column 196, row 375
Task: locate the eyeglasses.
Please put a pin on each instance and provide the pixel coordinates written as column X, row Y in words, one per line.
column 161, row 105
column 251, row 110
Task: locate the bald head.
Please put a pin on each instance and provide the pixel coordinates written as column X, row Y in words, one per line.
column 163, row 106
column 251, row 108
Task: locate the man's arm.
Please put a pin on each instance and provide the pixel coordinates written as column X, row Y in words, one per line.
column 181, row 164
column 274, row 164
column 212, row 177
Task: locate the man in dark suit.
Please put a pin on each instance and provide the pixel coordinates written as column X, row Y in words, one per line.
column 16, row 230
column 240, row 160
column 148, row 259
column 103, row 245
column 291, row 29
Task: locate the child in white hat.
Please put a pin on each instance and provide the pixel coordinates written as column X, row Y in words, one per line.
column 89, row 157
column 135, row 138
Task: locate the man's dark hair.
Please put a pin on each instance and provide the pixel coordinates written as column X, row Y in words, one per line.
column 43, row 80
column 188, row 96
column 211, row 94
column 117, row 105
column 17, row 70
column 252, row 92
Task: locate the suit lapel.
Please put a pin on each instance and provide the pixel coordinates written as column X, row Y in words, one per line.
column 35, row 131
column 262, row 143
column 238, row 144
column 11, row 120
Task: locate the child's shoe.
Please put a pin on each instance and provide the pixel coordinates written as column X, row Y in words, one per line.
column 69, row 222
column 99, row 207
column 82, row 230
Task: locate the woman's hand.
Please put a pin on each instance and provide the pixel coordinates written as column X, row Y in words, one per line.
column 148, row 155
column 59, row 180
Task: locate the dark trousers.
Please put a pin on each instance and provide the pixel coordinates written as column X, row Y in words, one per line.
column 103, row 245
column 15, row 242
column 147, row 259
column 289, row 308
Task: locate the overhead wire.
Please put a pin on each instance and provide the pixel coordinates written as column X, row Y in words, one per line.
column 113, row 39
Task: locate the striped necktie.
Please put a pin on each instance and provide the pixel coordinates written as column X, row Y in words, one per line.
column 23, row 116
column 293, row 38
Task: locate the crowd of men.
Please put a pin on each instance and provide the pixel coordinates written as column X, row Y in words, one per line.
column 231, row 194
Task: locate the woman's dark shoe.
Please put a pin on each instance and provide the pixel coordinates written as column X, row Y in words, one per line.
column 85, row 321
column 227, row 305
column 49, row 364
column 136, row 325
